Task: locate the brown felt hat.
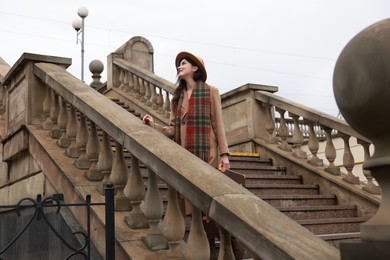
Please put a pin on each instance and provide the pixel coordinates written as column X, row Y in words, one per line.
column 199, row 62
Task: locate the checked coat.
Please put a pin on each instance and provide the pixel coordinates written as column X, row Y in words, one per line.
column 218, row 142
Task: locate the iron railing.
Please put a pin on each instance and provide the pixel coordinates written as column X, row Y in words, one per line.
column 54, row 201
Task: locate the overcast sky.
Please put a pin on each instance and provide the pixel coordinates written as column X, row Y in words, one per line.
column 292, row 44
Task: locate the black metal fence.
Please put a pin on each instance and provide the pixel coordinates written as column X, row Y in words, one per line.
column 39, row 204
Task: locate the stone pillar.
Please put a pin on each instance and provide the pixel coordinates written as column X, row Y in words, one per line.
column 245, row 117
column 22, row 86
column 137, row 50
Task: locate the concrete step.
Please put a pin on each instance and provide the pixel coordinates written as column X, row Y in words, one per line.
column 272, row 179
column 300, row 200
column 253, row 170
column 238, row 161
column 285, row 189
column 333, row 225
column 338, row 238
column 122, row 104
column 319, row 212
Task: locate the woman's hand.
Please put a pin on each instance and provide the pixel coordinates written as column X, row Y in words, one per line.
column 148, row 120
column 224, row 163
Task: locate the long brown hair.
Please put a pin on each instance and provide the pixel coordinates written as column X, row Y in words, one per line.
column 182, row 85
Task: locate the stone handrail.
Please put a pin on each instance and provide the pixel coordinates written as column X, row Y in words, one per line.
column 264, row 230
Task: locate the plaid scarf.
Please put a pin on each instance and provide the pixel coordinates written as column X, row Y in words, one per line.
column 198, row 121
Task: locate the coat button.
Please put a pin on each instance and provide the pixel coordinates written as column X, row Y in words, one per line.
column 183, row 123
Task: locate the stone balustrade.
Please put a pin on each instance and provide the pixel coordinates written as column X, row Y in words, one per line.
column 148, row 88
column 255, row 112
column 322, row 128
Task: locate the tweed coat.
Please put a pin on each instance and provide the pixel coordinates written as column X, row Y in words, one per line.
column 218, row 142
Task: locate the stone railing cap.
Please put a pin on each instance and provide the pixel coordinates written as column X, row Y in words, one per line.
column 35, row 58
column 250, row 86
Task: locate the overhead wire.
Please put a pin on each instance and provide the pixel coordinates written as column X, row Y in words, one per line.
column 179, row 40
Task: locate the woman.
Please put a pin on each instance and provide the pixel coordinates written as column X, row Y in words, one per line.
column 196, row 114
column 196, row 118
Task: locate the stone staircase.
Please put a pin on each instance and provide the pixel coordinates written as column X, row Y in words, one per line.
column 320, row 213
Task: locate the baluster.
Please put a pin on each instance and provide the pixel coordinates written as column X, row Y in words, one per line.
column 138, row 88
column 167, row 105
column 104, row 163
column 154, row 98
column 55, row 133
column 129, row 82
column 141, row 93
column 151, row 88
column 313, row 145
column 330, row 152
column 174, row 227
column 135, row 192
column 135, row 89
column 283, row 132
column 121, row 80
column 147, row 95
column 225, row 245
column 48, row 124
column 198, row 246
column 71, row 130
column 297, row 138
column 348, row 161
column 270, row 124
column 63, row 141
column 160, row 101
column 81, row 141
column 126, row 81
column 370, row 186
column 119, row 177
column 154, row 211
column 133, row 80
column 93, row 149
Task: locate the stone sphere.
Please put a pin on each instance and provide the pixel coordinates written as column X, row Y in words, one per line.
column 96, row 66
column 361, row 82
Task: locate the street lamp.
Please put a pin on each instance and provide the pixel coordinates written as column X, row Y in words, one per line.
column 79, row 27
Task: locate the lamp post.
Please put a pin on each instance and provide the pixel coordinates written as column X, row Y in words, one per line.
column 79, row 27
